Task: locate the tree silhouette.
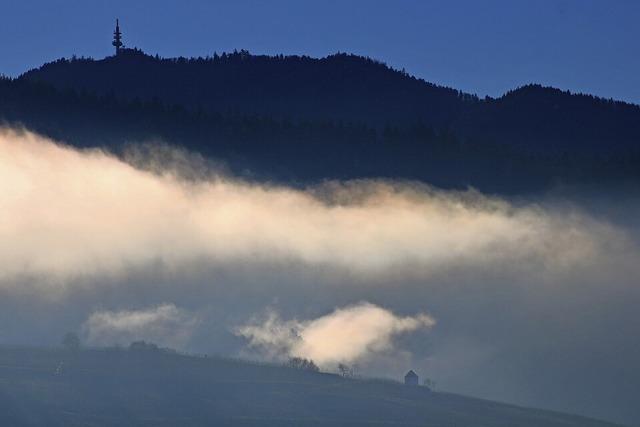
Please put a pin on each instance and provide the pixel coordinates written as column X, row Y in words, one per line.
column 302, row 364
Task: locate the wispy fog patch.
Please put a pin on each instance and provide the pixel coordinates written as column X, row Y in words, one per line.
column 165, row 324
column 346, row 335
column 163, row 159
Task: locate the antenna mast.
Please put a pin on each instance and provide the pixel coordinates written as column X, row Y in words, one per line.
column 117, row 38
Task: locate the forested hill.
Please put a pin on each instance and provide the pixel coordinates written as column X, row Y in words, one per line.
column 299, row 120
column 338, row 87
column 351, row 88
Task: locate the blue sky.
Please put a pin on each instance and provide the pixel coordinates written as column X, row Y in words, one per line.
column 483, row 47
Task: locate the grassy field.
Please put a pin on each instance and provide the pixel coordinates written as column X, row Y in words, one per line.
column 54, row 387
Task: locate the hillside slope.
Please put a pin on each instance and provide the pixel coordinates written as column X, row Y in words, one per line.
column 124, row 387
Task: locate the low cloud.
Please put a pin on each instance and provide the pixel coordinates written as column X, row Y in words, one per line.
column 346, row 335
column 71, row 214
column 166, row 325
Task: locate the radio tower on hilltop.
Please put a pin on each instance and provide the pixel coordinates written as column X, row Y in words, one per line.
column 117, row 38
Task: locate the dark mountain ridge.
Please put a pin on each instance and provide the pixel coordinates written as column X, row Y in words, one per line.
column 338, row 87
column 300, row 120
column 351, row 88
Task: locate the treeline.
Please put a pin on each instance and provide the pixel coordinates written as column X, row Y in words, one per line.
column 301, row 152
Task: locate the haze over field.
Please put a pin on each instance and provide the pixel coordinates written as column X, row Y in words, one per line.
column 528, row 300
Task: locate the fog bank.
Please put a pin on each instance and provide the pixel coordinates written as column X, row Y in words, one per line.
column 532, row 301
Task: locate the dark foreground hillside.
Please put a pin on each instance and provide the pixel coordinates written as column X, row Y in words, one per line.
column 123, row 387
